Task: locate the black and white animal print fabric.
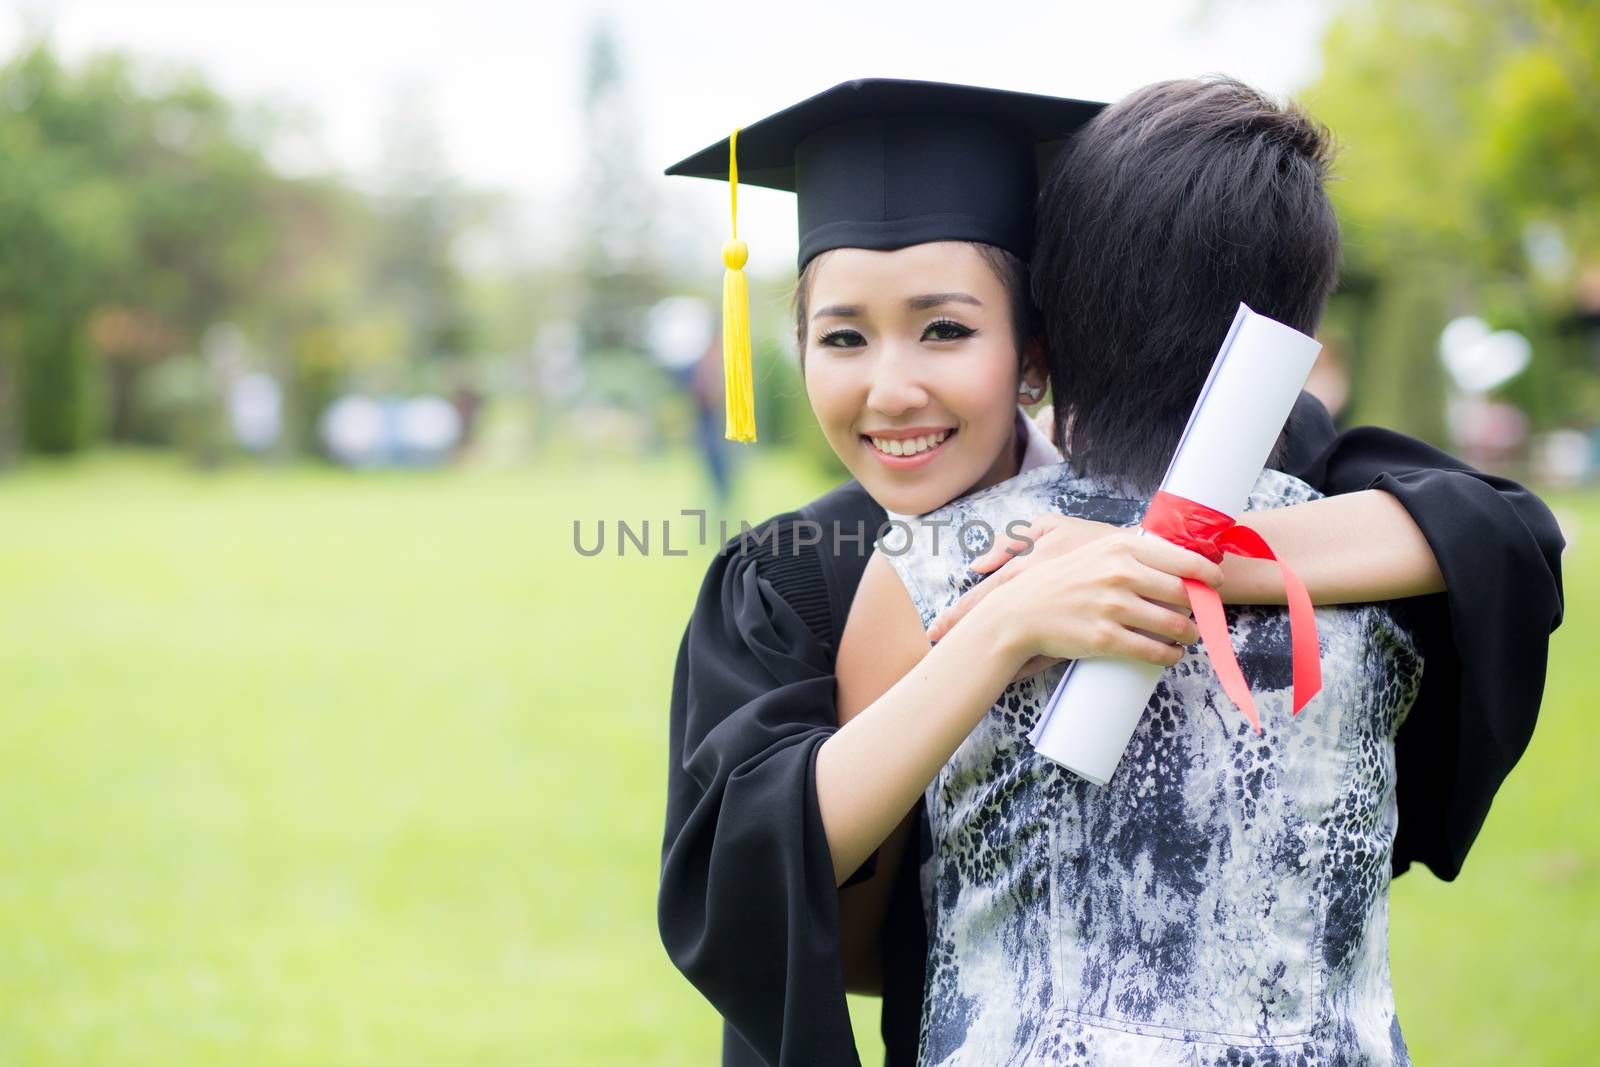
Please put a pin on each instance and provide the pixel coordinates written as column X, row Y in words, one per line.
column 1223, row 899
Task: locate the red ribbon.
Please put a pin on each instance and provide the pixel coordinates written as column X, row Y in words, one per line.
column 1211, row 533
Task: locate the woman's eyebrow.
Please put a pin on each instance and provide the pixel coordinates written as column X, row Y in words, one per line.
column 838, row 311
column 933, row 300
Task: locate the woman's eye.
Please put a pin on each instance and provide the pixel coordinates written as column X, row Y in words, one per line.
column 841, row 339
column 945, row 330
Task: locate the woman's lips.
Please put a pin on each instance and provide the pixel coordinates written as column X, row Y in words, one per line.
column 930, row 444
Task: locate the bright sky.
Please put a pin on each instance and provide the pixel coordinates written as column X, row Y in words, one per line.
column 501, row 77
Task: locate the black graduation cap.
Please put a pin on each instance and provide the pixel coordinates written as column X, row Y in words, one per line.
column 883, row 163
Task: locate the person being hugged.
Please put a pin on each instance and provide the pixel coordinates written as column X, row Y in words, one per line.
column 916, row 218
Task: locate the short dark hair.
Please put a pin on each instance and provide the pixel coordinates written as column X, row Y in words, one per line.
column 1008, row 267
column 1162, row 214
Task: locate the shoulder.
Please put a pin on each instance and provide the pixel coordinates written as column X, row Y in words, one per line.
column 965, row 527
column 811, row 558
column 1308, row 431
column 1275, row 489
column 845, row 503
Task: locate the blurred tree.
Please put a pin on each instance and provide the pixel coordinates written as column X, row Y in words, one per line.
column 65, row 228
column 138, row 213
column 421, row 215
column 133, row 221
column 618, row 277
column 1470, row 136
column 316, row 279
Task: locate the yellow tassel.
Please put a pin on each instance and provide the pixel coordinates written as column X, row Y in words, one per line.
column 736, row 374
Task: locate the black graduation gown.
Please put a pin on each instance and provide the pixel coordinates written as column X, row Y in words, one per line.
column 747, row 906
column 1485, row 641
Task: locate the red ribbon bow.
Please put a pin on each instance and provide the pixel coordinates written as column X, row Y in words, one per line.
column 1211, row 533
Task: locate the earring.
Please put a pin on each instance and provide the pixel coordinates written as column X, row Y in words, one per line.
column 1033, row 392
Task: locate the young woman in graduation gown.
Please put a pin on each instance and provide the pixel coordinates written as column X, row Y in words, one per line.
column 749, row 900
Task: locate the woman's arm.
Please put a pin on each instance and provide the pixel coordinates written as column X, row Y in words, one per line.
column 1120, row 596
column 865, row 672
column 1354, row 548
column 862, row 908
column 903, row 709
column 1357, row 547
column 1349, row 549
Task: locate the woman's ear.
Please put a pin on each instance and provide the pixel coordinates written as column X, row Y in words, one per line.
column 1034, row 378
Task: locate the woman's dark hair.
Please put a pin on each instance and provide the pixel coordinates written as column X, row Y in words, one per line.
column 1161, row 215
column 1009, row 268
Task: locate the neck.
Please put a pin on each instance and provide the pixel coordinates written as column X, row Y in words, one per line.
column 1008, row 463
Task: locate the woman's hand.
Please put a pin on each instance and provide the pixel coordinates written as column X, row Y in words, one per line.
column 1119, row 595
column 1048, row 537
column 904, row 708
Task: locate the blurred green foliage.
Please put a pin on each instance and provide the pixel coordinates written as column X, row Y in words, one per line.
column 1470, row 165
column 140, row 210
column 141, row 217
column 132, row 217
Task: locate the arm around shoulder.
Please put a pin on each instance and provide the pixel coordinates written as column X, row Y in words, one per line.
column 1357, row 547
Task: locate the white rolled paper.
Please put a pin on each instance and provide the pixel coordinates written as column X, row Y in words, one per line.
column 1246, row 399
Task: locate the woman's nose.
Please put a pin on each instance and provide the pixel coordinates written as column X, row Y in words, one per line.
column 896, row 387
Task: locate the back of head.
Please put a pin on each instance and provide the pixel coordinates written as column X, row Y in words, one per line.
column 1163, row 213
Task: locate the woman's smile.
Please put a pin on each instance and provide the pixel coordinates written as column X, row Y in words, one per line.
column 905, row 449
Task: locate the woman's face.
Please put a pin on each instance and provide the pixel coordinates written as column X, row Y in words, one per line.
column 913, row 372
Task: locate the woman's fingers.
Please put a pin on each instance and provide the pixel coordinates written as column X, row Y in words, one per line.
column 1158, row 621
column 966, row 602
column 1094, row 591
column 1108, row 636
column 1008, row 545
column 1130, row 645
column 1157, row 586
column 1007, row 557
column 1168, row 557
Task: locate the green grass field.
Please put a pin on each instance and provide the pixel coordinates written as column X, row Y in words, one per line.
column 302, row 767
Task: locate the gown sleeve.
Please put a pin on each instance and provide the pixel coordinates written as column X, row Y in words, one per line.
column 1485, row 639
column 747, row 906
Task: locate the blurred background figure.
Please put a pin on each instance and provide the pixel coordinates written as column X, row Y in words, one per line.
column 255, row 406
column 426, row 430
column 684, row 340
column 354, row 431
column 1486, row 433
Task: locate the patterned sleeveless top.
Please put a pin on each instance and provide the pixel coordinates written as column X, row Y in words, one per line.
column 1223, row 899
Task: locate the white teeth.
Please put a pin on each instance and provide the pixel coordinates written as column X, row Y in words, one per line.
column 896, row 447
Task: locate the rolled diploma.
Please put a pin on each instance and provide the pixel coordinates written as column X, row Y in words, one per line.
column 1246, row 399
